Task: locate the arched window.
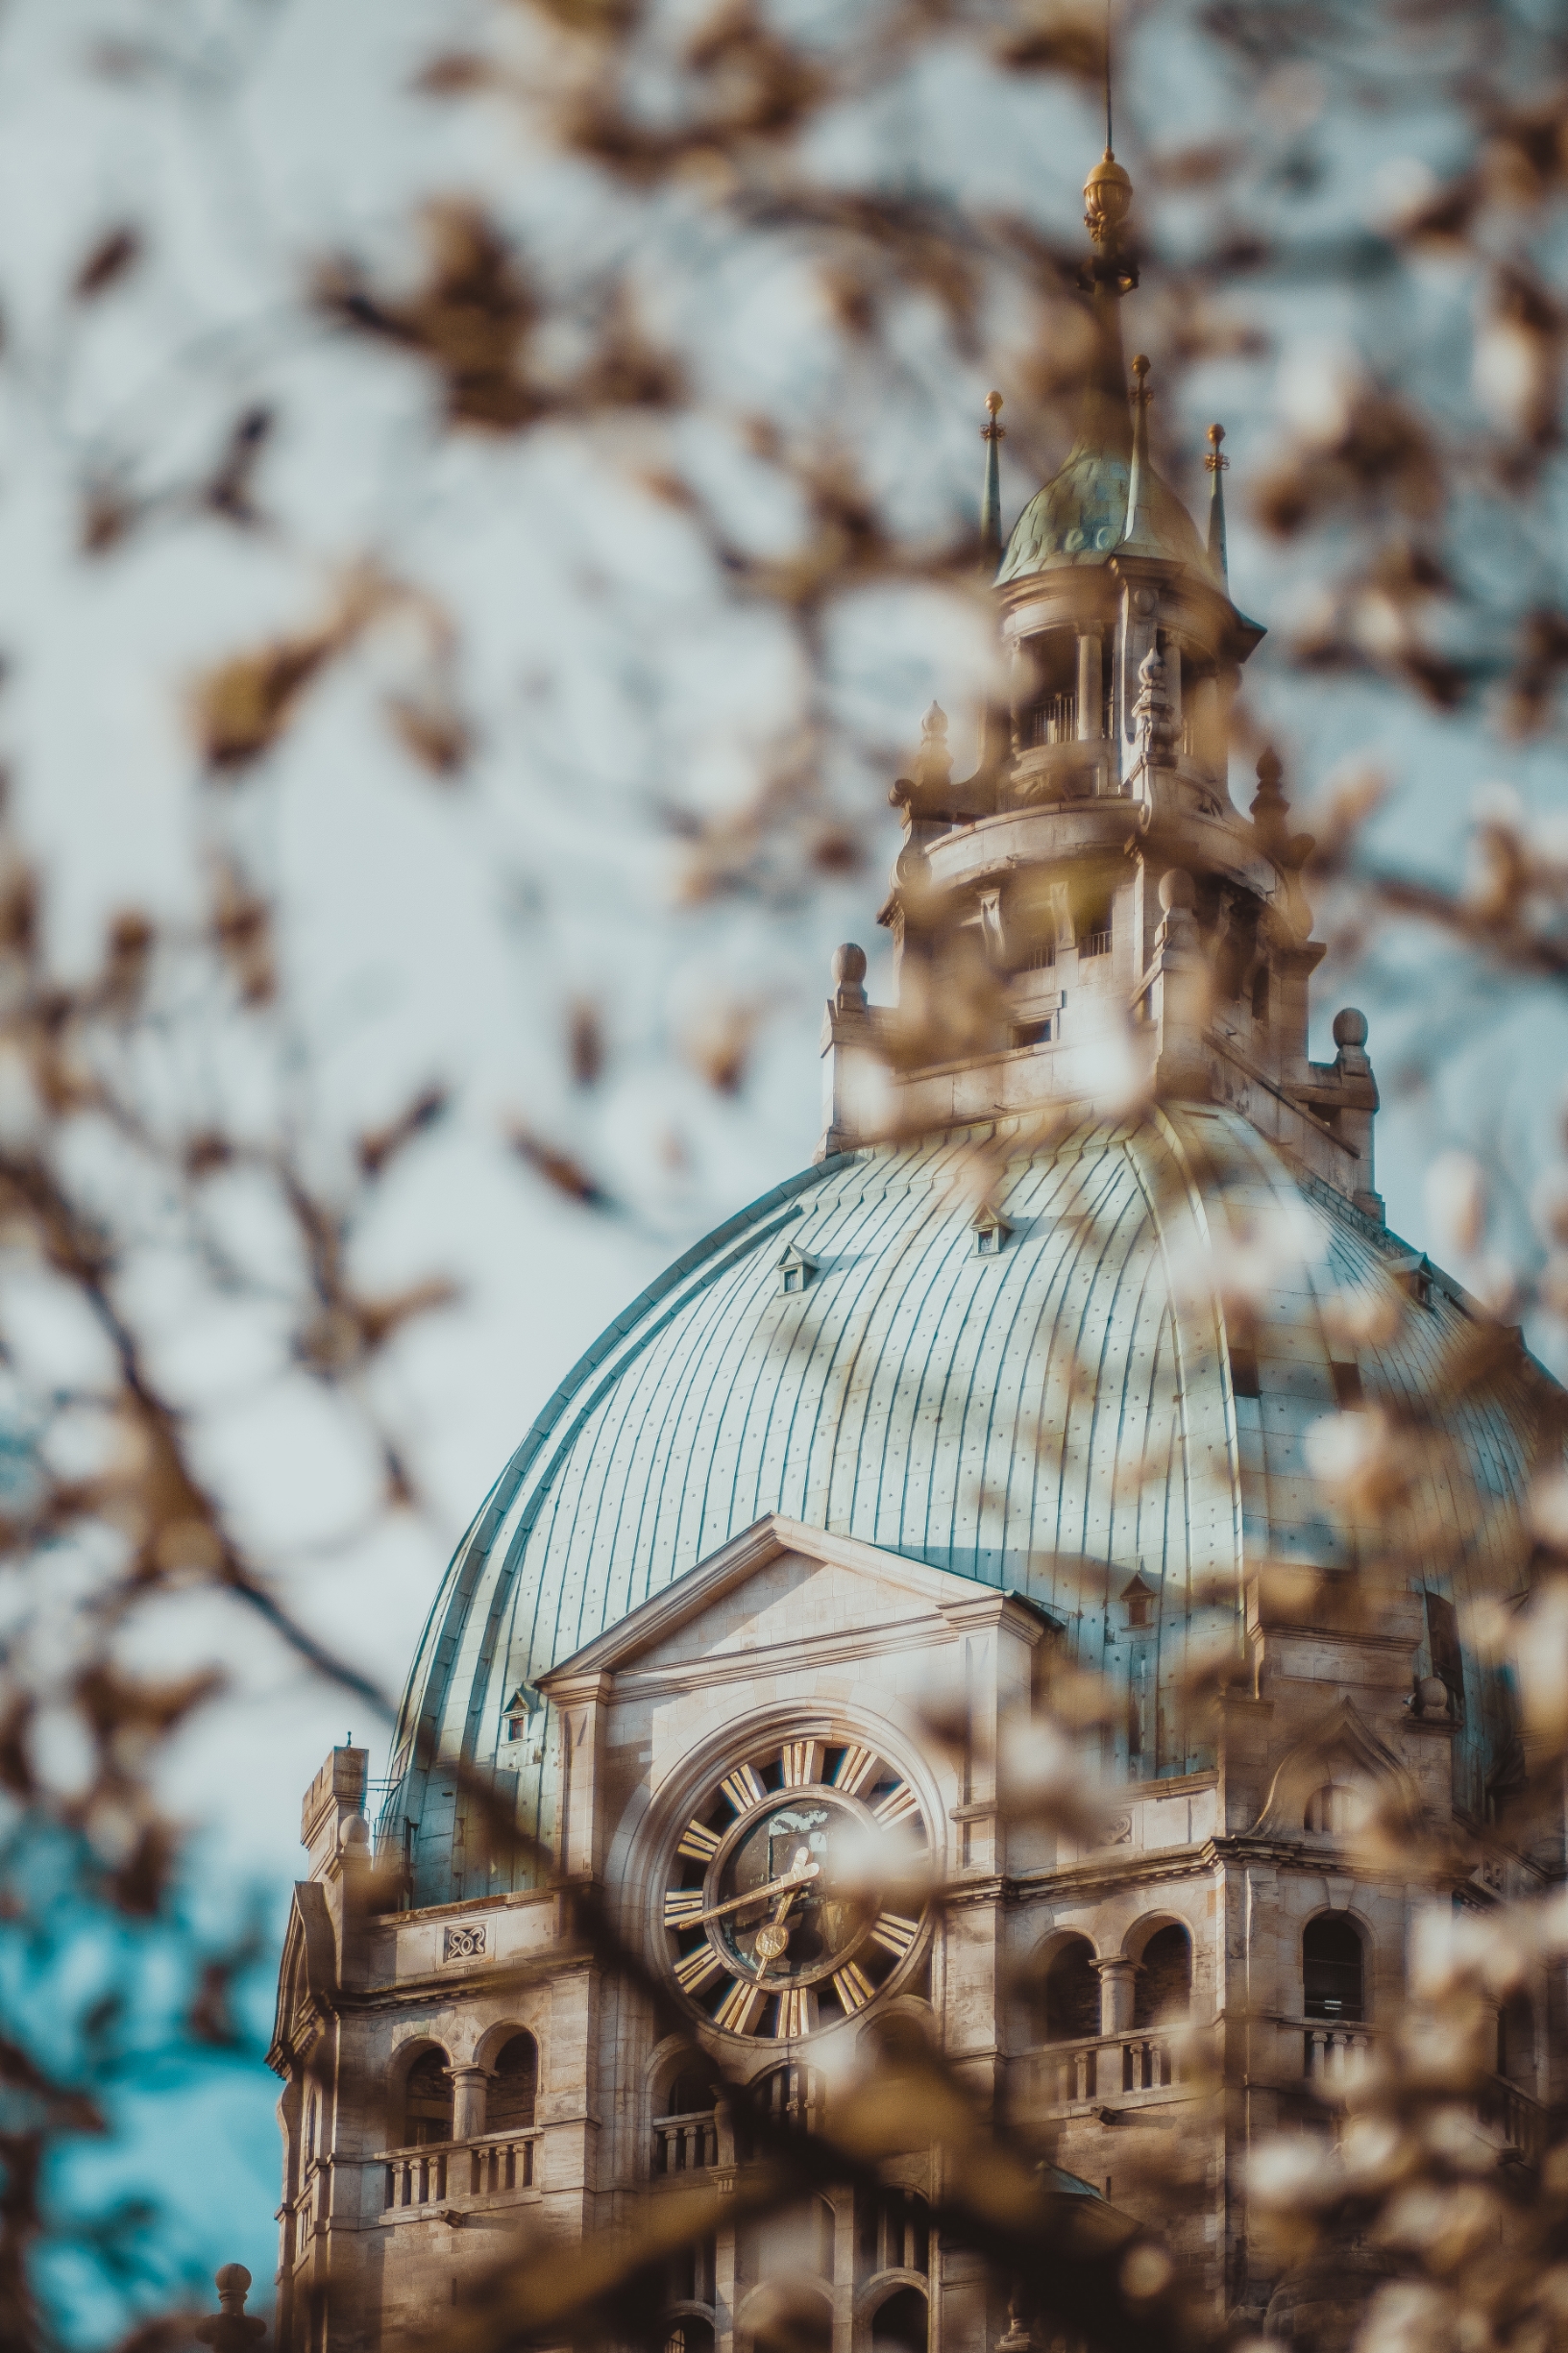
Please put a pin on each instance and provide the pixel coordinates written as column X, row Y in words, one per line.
column 426, row 2102
column 1331, row 1969
column 1072, row 1994
column 690, row 2093
column 1163, row 1983
column 515, row 2088
column 1335, row 1810
column 902, row 2324
column 1516, row 2040
column 690, row 2334
column 892, row 2233
column 789, row 2095
column 692, row 2274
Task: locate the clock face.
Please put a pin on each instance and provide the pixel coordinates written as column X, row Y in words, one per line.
column 770, row 1906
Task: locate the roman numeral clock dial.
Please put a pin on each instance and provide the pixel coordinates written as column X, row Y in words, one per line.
column 780, row 1907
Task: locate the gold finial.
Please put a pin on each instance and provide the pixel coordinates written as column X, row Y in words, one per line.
column 994, row 432
column 1108, row 197
column 1140, row 389
column 1215, row 461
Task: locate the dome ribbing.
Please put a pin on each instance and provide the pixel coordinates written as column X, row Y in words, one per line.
column 1056, row 1418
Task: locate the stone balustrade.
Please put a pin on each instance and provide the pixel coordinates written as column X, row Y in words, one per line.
column 456, row 2173
column 685, row 2143
column 1333, row 2056
column 1107, row 2066
column 1520, row 2118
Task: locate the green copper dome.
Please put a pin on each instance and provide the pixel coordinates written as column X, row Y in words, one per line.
column 1058, row 1416
column 1080, row 516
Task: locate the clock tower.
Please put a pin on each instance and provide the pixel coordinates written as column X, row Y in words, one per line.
column 1012, row 1396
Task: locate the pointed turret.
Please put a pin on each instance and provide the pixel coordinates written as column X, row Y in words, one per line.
column 1138, row 533
column 1215, row 463
column 992, row 434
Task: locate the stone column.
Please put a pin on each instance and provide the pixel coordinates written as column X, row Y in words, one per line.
column 469, row 2084
column 1115, row 1995
column 1091, row 691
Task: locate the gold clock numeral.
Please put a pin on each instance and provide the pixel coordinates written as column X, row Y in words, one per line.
column 855, row 1770
column 743, row 1788
column 802, row 1762
column 700, row 1844
column 741, row 2007
column 854, row 1988
column 794, row 2014
column 681, row 1904
column 895, row 1932
column 896, row 1806
column 699, row 1969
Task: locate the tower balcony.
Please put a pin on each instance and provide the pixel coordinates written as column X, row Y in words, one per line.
column 440, row 2177
column 1139, row 2068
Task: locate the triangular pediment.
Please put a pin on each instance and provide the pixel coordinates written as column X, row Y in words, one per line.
column 880, row 1584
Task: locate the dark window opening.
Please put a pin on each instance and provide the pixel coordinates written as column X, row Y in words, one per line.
column 1244, row 1371
column 1516, row 2040
column 1163, row 1983
column 901, row 2325
column 690, row 2334
column 892, row 2233
column 1259, row 993
column 426, row 2102
column 515, row 2090
column 1072, row 1994
column 1033, row 1032
column 692, row 2094
column 1348, row 1394
column 692, row 2279
column 1332, row 1965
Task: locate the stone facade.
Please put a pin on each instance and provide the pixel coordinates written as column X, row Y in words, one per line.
column 790, row 1635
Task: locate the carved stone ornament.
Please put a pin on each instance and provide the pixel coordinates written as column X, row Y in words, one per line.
column 1118, row 1830
column 464, row 1943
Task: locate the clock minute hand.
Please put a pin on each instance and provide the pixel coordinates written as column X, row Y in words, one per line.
column 756, row 1895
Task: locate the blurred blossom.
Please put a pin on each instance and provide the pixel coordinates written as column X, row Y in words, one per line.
column 1285, row 2171
column 1366, row 1463
column 1549, row 1204
column 1450, row 1949
column 1369, row 1317
column 1406, row 2316
column 1262, row 1250
column 1549, row 1510
column 1044, row 1776
column 1316, row 392
column 1541, row 1660
column 1456, row 1195
column 1401, row 188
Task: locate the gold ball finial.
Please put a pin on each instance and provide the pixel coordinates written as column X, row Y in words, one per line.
column 1140, row 371
column 1108, row 197
column 994, row 402
column 1215, row 461
column 992, row 432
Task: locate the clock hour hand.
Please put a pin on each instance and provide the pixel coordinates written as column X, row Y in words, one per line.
column 789, row 1882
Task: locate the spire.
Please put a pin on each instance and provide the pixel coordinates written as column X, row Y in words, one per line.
column 1107, row 274
column 1138, row 530
column 991, row 499
column 1216, row 463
